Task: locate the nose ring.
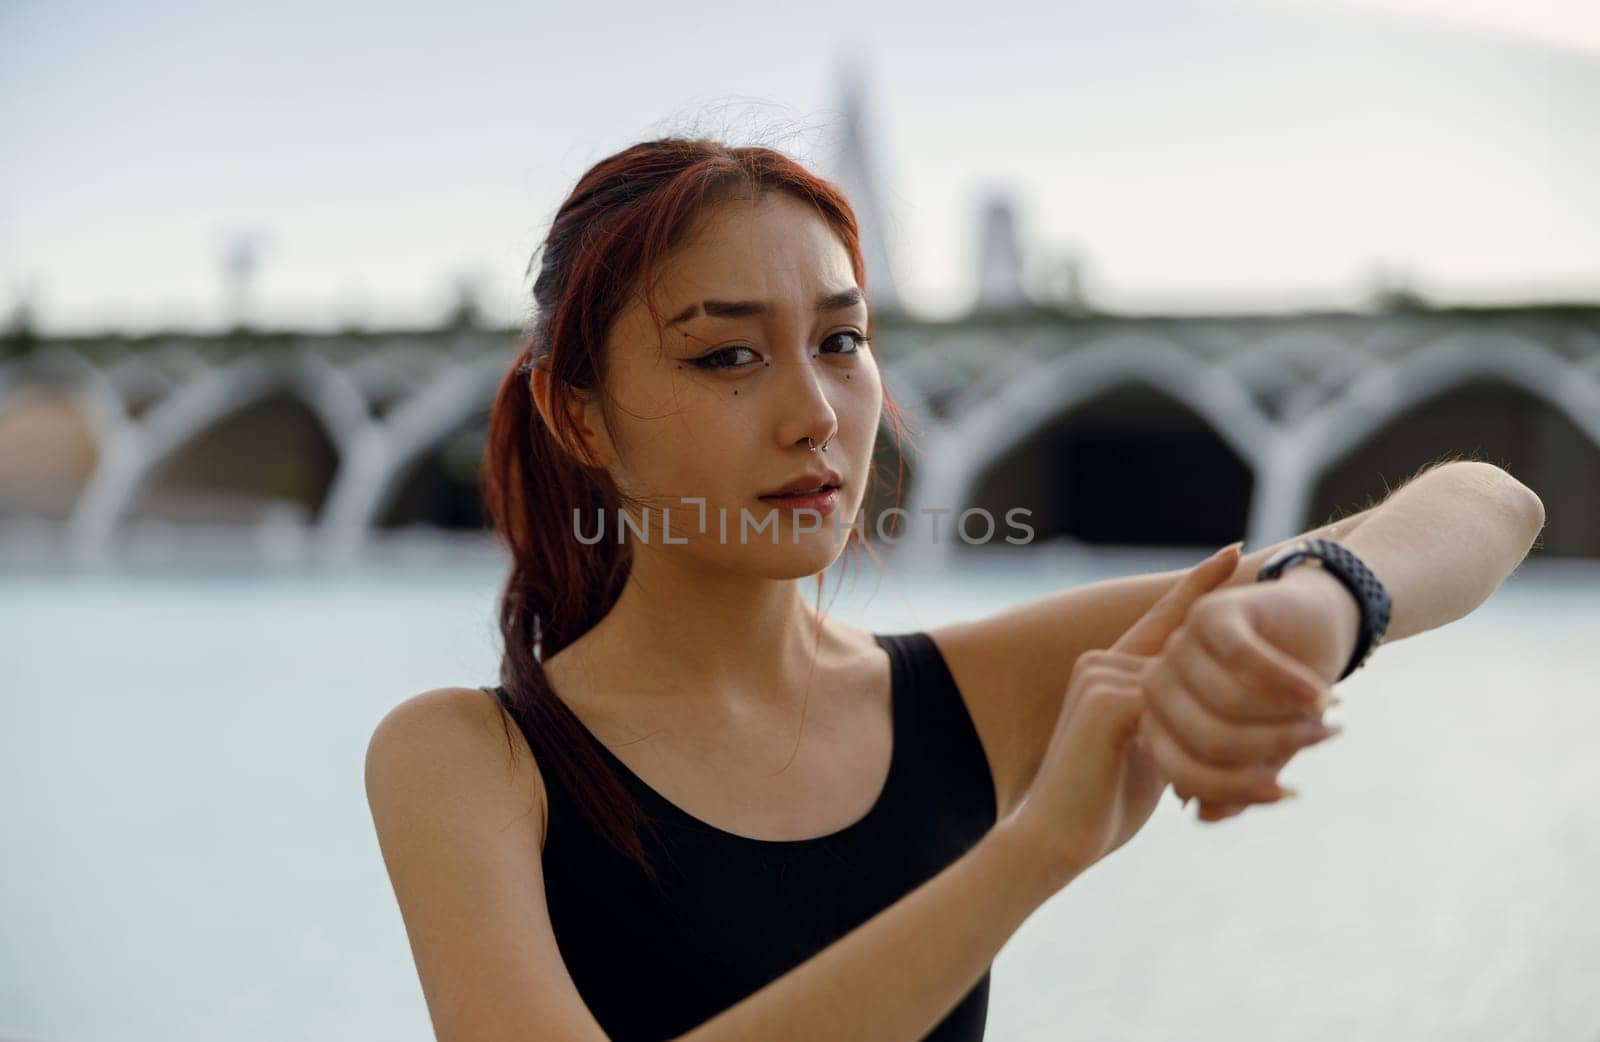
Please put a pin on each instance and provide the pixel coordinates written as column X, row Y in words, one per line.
column 823, row 446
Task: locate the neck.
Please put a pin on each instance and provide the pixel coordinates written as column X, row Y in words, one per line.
column 710, row 634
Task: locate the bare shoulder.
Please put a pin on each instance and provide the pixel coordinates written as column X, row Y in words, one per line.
column 460, row 819
column 457, row 740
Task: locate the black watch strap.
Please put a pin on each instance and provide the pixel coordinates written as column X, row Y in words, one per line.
column 1357, row 578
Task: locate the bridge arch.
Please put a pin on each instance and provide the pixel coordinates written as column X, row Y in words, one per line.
column 960, row 455
column 387, row 453
column 244, row 391
column 1491, row 396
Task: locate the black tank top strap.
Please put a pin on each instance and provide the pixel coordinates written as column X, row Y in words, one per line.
column 563, row 814
column 945, row 756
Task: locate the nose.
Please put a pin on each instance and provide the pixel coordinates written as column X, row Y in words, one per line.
column 807, row 410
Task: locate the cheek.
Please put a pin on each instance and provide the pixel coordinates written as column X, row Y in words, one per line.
column 701, row 450
column 864, row 396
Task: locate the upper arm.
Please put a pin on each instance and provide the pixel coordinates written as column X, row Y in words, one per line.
column 459, row 822
column 1013, row 666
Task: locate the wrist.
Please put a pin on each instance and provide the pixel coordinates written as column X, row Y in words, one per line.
column 1330, row 558
column 1044, row 864
column 1344, row 611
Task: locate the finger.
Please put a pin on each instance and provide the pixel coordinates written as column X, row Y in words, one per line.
column 1228, row 696
column 1146, row 742
column 1116, row 712
column 1124, row 660
column 1104, row 662
column 1276, row 765
column 1142, row 738
column 1150, row 632
column 1220, row 741
column 1245, row 654
column 1214, row 812
column 1223, row 811
column 1255, row 783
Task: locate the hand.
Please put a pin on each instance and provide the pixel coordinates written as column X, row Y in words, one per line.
column 1241, row 686
column 1096, row 786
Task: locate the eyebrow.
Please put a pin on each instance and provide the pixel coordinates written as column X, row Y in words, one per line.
column 845, row 298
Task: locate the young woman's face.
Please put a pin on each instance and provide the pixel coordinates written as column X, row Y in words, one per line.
column 719, row 406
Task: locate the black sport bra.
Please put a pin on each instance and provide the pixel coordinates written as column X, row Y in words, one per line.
column 732, row 912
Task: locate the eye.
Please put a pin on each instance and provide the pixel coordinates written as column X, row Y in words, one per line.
column 712, row 360
column 861, row 341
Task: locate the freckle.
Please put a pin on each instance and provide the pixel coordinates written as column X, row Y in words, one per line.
column 735, row 392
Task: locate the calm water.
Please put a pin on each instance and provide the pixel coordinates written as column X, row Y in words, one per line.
column 189, row 855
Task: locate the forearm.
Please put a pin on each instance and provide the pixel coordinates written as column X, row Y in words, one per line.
column 1441, row 544
column 893, row 978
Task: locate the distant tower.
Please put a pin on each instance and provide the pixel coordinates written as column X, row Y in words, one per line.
column 855, row 172
column 466, row 309
column 999, row 255
column 1394, row 289
column 1061, row 283
column 241, row 258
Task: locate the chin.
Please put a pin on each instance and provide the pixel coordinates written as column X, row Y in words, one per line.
column 814, row 552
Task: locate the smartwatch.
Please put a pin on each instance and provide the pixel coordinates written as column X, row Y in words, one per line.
column 1356, row 577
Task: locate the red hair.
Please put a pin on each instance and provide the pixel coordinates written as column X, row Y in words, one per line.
column 625, row 214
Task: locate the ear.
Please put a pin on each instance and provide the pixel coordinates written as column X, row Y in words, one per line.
column 583, row 407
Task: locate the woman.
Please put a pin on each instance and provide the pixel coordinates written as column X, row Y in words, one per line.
column 887, row 808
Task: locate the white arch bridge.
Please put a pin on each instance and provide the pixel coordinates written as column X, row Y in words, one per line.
column 1170, row 431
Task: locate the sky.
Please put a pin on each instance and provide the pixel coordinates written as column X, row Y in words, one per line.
column 1195, row 155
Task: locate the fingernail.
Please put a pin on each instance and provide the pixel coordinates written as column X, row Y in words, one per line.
column 1286, row 793
column 1328, row 731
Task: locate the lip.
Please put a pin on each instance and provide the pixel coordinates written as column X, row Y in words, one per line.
column 823, row 502
column 811, row 480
